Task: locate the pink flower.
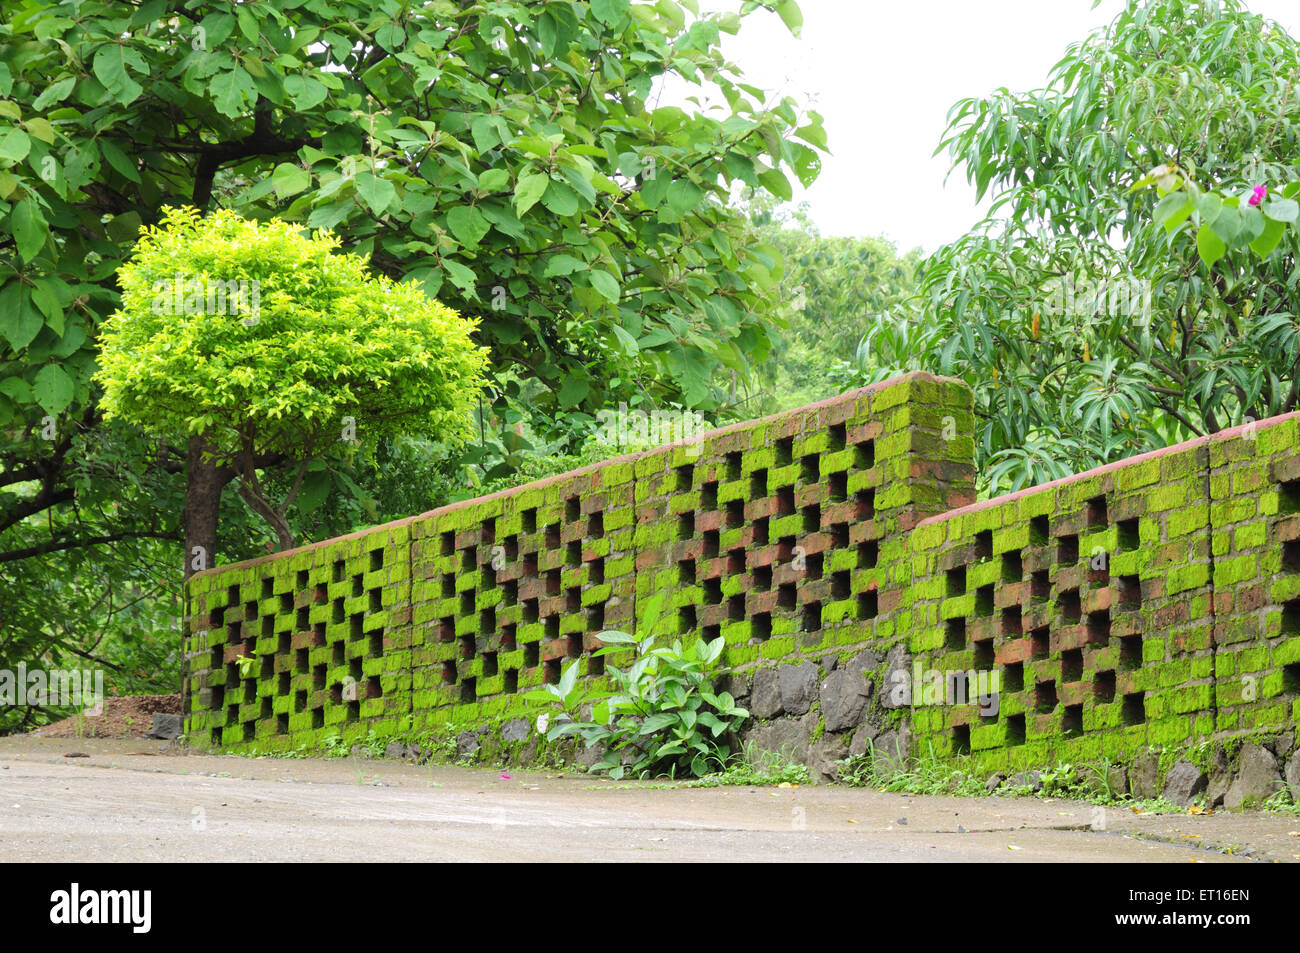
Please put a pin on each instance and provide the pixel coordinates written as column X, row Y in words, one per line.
column 505, row 777
column 1257, row 195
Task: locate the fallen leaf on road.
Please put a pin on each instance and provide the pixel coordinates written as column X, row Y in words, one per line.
column 849, row 820
column 1012, row 847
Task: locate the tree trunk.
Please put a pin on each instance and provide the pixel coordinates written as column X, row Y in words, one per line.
column 203, row 486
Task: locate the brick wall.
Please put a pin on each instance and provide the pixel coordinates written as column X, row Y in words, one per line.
column 1153, row 601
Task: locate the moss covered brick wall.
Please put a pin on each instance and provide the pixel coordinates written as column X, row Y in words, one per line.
column 1151, row 602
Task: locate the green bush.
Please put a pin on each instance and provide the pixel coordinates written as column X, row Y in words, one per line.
column 664, row 717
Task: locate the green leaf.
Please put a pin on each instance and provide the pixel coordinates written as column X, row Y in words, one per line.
column 1282, row 210
column 791, row 16
column 1269, row 238
column 684, row 195
column 53, row 388
column 1209, row 246
column 54, row 93
column 560, row 199
column 229, row 89
column 109, row 67
column 528, row 190
column 573, row 390
column 467, row 224
column 493, row 180
column 290, row 179
column 609, row 12
column 606, row 284
column 15, row 145
column 559, row 265
column 118, row 160
column 377, row 193
column 29, row 228
column 22, row 322
column 1173, row 210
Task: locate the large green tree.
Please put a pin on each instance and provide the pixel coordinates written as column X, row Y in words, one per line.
column 1089, row 332
column 506, row 156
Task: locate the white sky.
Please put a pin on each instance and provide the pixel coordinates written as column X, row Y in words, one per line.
column 884, row 73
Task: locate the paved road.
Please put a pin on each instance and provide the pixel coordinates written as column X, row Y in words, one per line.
column 138, row 800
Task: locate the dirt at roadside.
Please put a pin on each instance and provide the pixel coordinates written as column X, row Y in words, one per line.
column 129, row 717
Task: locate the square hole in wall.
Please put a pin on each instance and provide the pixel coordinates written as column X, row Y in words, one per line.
column 868, row 554
column 735, row 561
column 761, row 529
column 1291, row 617
column 510, row 592
column 1040, row 586
column 1013, row 567
column 1067, row 550
column 983, row 655
column 1130, row 652
column 758, row 484
column 448, row 672
column 467, row 602
column 468, row 559
column 1288, row 497
column 733, row 461
column 551, row 627
column 839, row 535
column 1013, row 677
column 1012, row 624
column 1038, row 530
column 785, row 501
column 864, row 454
column 868, row 604
column 836, row 435
column 712, row 540
column 784, row 451
column 736, row 608
column 1095, row 513
column 572, row 509
column 1039, row 643
column 1072, row 665
column 531, row 610
column 810, row 469
column 1103, row 686
column 553, row 536
column 301, row 579
column 286, row 603
column 358, row 585
column 303, row 623
column 1071, row 607
column 509, row 637
column 573, row 553
column 955, row 633
column 984, row 544
column 710, row 632
column 468, row 690
column 573, row 645
column 1015, row 731
column 1072, row 720
column 530, row 564
column 839, row 486
column 338, row 613
column 1133, row 710
column 840, row 585
column 812, row 617
column 1099, row 627
column 735, row 513
column 596, row 571
column 532, row 652
column 686, row 525
column 596, row 665
column 685, row 478
column 300, row 661
column 1291, row 555
column 528, row 520
column 511, row 680
column 686, row 572
column 1291, row 679
column 299, row 702
column 712, row 592
column 1045, row 696
column 763, row 578
column 596, row 617
column 961, row 739
column 786, row 597
column 984, row 600
column 446, row 548
column 467, row 646
column 487, row 620
column 267, row 591
column 813, row 565
column 812, row 518
column 1127, row 535
column 376, row 600
column 686, row 620
column 512, row 547
column 357, row 621
column 955, row 581
column 864, row 504
column 709, row 496
column 553, row 582
column 596, row 525
column 760, row 627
